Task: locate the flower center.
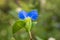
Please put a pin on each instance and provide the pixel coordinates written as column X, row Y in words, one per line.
column 28, row 19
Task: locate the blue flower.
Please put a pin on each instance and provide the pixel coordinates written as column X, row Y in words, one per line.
column 23, row 15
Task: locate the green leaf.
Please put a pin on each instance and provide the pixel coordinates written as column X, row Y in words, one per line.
column 18, row 25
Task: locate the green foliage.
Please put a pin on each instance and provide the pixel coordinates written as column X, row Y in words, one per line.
column 18, row 25
column 48, row 23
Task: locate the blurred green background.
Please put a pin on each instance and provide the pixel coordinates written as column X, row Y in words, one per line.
column 48, row 23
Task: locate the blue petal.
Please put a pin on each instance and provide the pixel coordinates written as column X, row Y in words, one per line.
column 22, row 14
column 33, row 14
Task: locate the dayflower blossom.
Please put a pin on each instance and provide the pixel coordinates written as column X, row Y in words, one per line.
column 33, row 15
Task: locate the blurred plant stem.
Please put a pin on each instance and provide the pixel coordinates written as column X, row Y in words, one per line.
column 42, row 4
column 30, row 35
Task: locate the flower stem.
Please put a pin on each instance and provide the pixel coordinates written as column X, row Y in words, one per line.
column 30, row 36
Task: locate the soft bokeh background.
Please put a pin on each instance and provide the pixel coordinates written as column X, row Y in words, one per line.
column 48, row 23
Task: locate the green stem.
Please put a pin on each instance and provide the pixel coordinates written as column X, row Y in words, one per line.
column 30, row 35
column 28, row 27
